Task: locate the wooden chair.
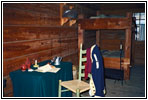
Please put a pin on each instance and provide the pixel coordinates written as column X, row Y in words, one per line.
column 76, row 86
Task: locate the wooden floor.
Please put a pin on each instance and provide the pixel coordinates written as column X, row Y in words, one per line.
column 135, row 87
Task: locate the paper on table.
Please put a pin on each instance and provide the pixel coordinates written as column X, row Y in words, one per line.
column 54, row 70
column 47, row 68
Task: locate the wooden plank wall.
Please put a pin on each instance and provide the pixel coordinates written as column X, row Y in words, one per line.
column 89, row 38
column 110, row 39
column 139, row 53
column 33, row 31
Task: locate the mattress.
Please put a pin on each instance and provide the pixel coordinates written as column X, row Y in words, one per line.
column 106, row 16
column 115, row 53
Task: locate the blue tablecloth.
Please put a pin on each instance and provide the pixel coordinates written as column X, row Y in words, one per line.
column 37, row 84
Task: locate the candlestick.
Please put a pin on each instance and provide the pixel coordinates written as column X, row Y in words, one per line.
column 36, row 65
column 120, row 46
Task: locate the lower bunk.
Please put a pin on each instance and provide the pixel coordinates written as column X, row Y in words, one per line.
column 116, row 65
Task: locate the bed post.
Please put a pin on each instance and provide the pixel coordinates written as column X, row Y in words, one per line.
column 133, row 41
column 98, row 38
column 128, row 47
column 98, row 33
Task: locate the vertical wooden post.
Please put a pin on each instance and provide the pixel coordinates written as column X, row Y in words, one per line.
column 62, row 20
column 128, row 39
column 98, row 38
column 128, row 43
column 98, row 33
column 127, row 53
column 61, row 9
column 61, row 12
column 133, row 42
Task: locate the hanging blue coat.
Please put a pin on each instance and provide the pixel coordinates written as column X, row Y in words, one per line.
column 97, row 71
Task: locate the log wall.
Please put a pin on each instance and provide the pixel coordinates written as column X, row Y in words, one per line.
column 139, row 53
column 89, row 38
column 110, row 39
column 33, row 31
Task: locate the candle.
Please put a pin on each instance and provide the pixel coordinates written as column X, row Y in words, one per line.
column 35, row 62
column 120, row 46
column 35, row 65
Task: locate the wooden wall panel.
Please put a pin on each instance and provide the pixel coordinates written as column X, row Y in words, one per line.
column 56, row 52
column 23, row 17
column 23, row 48
column 72, row 58
column 73, row 47
column 110, row 39
column 139, row 56
column 68, row 32
column 21, row 33
column 113, row 34
column 37, row 33
column 89, row 38
column 49, row 9
column 111, row 44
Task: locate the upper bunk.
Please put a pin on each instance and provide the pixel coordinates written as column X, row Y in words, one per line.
column 106, row 22
column 125, row 23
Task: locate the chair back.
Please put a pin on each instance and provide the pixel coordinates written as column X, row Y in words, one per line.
column 82, row 60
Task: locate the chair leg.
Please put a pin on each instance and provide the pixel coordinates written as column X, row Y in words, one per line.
column 78, row 92
column 59, row 93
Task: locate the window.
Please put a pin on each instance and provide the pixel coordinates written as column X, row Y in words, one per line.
column 140, row 22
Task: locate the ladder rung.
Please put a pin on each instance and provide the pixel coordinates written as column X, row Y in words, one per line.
column 84, row 59
column 82, row 75
column 83, row 67
column 64, row 90
column 83, row 51
column 89, row 75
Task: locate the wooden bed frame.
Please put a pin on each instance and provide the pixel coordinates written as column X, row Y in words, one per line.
column 111, row 23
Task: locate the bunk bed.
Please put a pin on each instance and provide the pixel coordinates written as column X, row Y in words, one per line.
column 124, row 23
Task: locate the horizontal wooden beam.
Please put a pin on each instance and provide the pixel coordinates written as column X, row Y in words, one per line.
column 104, row 23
